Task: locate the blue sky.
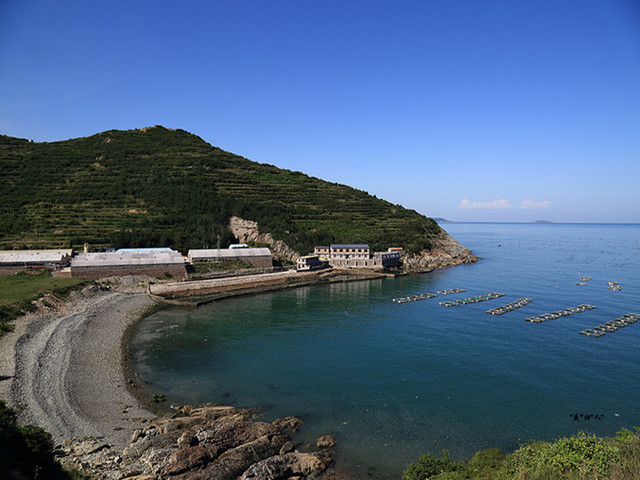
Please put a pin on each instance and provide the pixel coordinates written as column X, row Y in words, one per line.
column 470, row 110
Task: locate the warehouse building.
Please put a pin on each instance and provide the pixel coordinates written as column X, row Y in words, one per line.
column 136, row 262
column 259, row 257
column 12, row 261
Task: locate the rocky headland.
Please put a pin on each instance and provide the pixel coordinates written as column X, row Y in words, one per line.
column 445, row 252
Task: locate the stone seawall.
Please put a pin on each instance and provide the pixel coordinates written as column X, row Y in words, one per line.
column 203, row 287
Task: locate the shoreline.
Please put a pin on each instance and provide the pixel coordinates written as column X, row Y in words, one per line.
column 130, row 377
column 69, row 370
column 61, row 369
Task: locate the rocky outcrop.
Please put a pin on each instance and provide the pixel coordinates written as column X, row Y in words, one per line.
column 445, row 252
column 224, row 443
column 247, row 231
column 296, row 465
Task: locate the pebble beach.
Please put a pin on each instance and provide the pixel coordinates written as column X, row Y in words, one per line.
column 62, row 369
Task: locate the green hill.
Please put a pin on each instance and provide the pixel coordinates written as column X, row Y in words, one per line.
column 162, row 187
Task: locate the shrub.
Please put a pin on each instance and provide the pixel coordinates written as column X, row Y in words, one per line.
column 429, row 465
column 580, row 457
column 25, row 452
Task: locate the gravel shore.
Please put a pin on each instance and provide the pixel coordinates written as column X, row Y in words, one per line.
column 62, row 370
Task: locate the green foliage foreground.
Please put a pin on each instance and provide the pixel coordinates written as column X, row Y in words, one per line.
column 25, row 452
column 580, row 457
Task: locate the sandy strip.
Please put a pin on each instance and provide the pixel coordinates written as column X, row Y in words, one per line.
column 63, row 370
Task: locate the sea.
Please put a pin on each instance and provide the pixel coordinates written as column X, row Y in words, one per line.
column 391, row 381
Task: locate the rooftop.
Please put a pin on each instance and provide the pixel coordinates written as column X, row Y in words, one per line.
column 349, row 245
column 229, row 253
column 33, row 256
column 153, row 249
column 119, row 259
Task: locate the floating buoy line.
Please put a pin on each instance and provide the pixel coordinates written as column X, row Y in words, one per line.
column 424, row 296
column 414, row 298
column 611, row 326
column 452, row 291
column 560, row 313
column 467, row 301
column 521, row 302
column 597, row 331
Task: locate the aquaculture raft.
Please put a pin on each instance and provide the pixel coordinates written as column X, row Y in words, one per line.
column 414, row 298
column 521, row 302
column 615, row 286
column 467, row 301
column 560, row 313
column 452, row 291
column 611, row 326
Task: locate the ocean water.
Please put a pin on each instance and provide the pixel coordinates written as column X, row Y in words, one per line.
column 391, row 381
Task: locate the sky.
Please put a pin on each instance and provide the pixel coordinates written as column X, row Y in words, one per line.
column 471, row 110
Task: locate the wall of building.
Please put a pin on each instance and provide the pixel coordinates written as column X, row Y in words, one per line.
column 151, row 270
column 258, row 261
column 11, row 270
column 356, row 262
column 263, row 262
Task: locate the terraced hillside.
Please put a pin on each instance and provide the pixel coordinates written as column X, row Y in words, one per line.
column 162, row 187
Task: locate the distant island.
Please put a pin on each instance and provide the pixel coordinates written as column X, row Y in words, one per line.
column 543, row 221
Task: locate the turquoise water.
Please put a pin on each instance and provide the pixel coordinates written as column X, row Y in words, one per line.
column 392, row 381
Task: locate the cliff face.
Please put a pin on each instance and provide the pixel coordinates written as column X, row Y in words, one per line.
column 247, row 231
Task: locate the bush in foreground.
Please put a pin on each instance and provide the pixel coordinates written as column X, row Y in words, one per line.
column 25, row 452
column 580, row 457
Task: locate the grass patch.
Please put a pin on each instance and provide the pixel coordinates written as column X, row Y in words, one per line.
column 25, row 286
column 19, row 290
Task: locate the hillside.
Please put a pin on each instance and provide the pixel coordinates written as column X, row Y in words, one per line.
column 162, row 187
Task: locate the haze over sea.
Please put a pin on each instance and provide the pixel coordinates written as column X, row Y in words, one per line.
column 392, row 381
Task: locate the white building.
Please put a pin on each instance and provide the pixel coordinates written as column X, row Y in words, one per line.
column 310, row 262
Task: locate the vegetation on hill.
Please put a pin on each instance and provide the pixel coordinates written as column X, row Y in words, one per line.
column 162, row 187
column 580, row 457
